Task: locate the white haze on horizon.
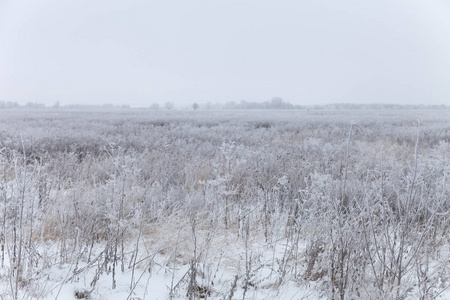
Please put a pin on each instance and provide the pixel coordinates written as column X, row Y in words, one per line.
column 143, row 52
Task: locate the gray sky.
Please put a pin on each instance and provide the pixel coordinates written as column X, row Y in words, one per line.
column 307, row 52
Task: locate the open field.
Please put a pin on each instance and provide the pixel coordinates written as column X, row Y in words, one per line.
column 141, row 204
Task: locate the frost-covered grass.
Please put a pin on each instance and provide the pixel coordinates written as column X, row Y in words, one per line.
column 133, row 204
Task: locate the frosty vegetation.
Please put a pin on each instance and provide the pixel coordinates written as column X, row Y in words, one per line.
column 224, row 205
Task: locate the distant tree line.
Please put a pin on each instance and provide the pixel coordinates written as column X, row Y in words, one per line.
column 8, row 104
column 276, row 103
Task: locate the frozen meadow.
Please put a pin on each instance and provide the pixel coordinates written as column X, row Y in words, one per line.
column 143, row 204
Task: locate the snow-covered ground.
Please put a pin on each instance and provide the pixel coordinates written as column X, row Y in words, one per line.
column 224, row 205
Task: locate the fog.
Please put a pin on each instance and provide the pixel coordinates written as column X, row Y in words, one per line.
column 143, row 52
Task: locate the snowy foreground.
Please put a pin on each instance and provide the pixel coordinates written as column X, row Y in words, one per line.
column 157, row 276
column 127, row 204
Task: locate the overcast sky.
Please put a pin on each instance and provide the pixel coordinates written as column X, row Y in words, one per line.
column 185, row 51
